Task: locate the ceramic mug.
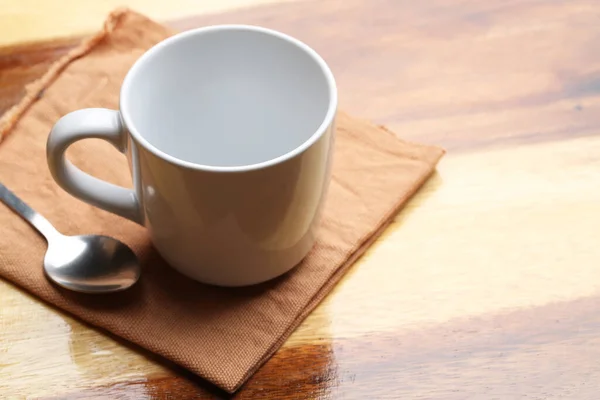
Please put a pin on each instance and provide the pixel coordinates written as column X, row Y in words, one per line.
column 229, row 132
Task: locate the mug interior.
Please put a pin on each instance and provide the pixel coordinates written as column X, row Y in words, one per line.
column 228, row 96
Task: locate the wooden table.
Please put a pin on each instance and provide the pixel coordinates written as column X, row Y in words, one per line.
column 487, row 284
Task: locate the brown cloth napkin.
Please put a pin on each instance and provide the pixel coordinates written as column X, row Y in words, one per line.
column 221, row 334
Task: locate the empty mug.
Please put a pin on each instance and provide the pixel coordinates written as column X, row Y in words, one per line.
column 229, row 133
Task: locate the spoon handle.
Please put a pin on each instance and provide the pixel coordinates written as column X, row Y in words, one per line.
column 20, row 207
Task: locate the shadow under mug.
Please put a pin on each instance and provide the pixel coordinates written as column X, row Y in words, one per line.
column 229, row 132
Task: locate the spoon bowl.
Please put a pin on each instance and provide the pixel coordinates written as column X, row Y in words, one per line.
column 91, row 264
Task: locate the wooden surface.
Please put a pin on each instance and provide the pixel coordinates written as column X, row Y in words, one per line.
column 487, row 284
column 34, row 20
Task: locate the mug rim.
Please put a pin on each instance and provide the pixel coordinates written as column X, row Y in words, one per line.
column 150, row 53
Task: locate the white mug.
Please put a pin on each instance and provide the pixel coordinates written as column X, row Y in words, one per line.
column 229, row 133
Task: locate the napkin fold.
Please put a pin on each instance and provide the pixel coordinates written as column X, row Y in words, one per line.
column 220, row 334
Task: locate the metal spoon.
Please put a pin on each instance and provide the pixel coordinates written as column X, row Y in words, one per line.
column 85, row 263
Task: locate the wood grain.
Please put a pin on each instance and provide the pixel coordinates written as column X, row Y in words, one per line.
column 462, row 73
column 486, row 285
column 536, row 352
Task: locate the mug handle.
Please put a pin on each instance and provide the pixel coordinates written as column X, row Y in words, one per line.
column 97, row 123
